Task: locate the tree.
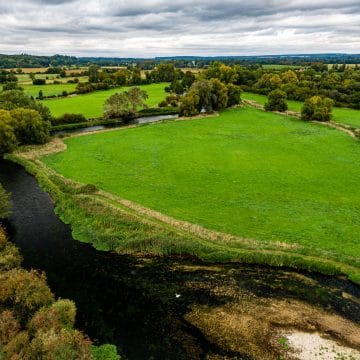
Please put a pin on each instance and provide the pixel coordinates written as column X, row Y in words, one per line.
column 317, row 108
column 13, row 99
column 29, row 127
column 8, row 140
column 203, row 89
column 93, row 73
column 189, row 104
column 137, row 98
column 122, row 77
column 188, row 79
column 276, row 101
column 219, row 96
column 289, row 77
column 233, row 93
column 117, row 105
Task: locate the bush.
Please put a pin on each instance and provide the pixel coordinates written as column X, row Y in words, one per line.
column 26, row 291
column 39, row 82
column 105, row 352
column 276, row 101
column 69, row 119
column 317, row 108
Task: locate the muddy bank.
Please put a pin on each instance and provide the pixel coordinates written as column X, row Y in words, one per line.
column 173, row 308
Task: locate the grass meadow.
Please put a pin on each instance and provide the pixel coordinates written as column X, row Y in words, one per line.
column 91, row 105
column 48, row 89
column 246, row 172
column 341, row 115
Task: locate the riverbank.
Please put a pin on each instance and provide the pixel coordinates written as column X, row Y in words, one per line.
column 178, row 305
column 112, row 223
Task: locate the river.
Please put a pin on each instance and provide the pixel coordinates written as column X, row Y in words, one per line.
column 148, row 306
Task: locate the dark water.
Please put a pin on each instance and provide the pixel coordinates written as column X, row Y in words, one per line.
column 140, row 120
column 136, row 306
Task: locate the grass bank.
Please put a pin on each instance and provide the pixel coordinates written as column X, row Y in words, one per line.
column 249, row 180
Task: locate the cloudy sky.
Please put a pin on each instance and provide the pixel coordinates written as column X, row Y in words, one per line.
column 145, row 28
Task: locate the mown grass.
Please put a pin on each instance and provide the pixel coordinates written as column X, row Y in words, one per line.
column 341, row 115
column 248, row 173
column 91, row 105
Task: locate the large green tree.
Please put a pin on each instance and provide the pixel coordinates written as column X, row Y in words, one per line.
column 137, row 98
column 29, row 127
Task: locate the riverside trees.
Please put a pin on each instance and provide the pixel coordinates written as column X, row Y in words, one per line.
column 125, row 104
column 208, row 95
column 22, row 121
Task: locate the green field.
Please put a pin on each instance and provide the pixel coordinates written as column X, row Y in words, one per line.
column 341, row 115
column 91, row 105
column 280, row 66
column 249, row 173
column 49, row 89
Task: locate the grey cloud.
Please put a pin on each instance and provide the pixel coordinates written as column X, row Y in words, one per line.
column 157, row 27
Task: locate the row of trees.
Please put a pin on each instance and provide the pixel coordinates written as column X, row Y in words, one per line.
column 342, row 86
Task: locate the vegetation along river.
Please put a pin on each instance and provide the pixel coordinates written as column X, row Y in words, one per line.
column 179, row 308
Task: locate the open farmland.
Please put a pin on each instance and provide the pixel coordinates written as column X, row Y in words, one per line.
column 91, row 105
column 247, row 172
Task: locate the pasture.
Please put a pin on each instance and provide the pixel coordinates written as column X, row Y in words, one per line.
column 48, row 89
column 248, row 173
column 91, row 105
column 341, row 115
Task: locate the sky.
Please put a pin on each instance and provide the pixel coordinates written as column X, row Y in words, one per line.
column 143, row 28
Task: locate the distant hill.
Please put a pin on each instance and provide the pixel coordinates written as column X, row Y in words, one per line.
column 34, row 61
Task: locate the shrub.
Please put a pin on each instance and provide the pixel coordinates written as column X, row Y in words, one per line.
column 9, row 326
column 39, row 82
column 25, row 291
column 61, row 314
column 66, row 344
column 69, row 119
column 317, row 108
column 105, row 352
column 276, row 101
